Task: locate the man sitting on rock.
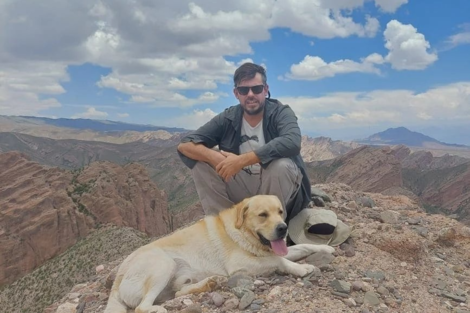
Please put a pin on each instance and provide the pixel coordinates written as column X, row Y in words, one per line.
column 259, row 150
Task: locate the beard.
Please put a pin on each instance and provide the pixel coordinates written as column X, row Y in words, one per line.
column 256, row 111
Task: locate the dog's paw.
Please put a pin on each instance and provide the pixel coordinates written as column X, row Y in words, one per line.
column 157, row 309
column 212, row 284
column 180, row 294
column 327, row 249
column 216, row 282
column 304, row 269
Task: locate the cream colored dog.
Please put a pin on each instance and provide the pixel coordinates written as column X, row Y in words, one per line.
column 250, row 237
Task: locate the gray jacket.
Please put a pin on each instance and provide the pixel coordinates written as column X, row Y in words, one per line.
column 282, row 137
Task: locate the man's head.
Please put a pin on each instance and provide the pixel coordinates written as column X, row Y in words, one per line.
column 251, row 87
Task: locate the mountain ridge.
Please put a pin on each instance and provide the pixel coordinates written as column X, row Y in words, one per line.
column 404, row 136
column 97, row 125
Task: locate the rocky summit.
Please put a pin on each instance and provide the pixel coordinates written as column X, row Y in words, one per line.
column 398, row 259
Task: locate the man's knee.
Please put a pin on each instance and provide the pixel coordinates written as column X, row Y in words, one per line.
column 202, row 169
column 282, row 167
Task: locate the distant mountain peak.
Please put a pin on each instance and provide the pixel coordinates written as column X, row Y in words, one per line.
column 403, row 132
column 402, row 136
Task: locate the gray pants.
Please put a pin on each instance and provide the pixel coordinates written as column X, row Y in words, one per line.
column 281, row 178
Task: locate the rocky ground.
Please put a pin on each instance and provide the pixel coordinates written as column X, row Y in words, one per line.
column 398, row 259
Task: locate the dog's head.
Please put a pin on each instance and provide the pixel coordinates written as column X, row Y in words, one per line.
column 262, row 218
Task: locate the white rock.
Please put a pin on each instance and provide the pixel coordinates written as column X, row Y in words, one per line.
column 274, row 293
column 259, row 282
column 73, row 295
column 158, row 309
column 350, row 302
column 78, row 287
column 448, row 304
column 66, row 308
column 99, row 268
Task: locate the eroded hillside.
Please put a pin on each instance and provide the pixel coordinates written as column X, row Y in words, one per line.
column 45, row 210
column 441, row 184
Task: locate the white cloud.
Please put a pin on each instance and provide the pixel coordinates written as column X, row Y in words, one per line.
column 28, row 88
column 123, row 115
column 155, row 52
column 407, row 51
column 461, row 38
column 154, row 90
column 317, row 19
column 342, row 4
column 408, row 48
column 92, row 113
column 50, row 30
column 443, row 105
column 177, row 83
column 193, row 120
column 374, row 58
column 390, row 6
column 314, row 68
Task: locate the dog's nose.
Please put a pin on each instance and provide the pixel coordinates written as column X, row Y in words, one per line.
column 281, row 230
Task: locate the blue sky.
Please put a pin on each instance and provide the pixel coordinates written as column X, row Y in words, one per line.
column 348, row 68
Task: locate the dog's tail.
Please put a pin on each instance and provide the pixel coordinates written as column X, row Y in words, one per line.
column 115, row 305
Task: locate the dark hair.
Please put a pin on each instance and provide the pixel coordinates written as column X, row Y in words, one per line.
column 248, row 71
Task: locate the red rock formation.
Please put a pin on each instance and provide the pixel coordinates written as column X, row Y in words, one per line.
column 124, row 196
column 324, row 148
column 418, row 160
column 367, row 169
column 37, row 218
column 44, row 211
column 451, row 194
column 401, row 152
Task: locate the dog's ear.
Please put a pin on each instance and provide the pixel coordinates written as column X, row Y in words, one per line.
column 241, row 208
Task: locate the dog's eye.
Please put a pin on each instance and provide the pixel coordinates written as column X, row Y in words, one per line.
column 264, row 214
column 280, row 212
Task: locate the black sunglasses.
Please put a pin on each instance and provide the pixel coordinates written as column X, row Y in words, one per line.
column 244, row 90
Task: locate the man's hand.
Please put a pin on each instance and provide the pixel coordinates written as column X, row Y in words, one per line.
column 230, row 166
column 215, row 158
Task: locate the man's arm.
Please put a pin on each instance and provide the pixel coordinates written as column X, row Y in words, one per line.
column 197, row 146
column 199, row 152
column 248, row 158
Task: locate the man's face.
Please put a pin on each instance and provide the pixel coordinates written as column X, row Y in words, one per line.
column 252, row 102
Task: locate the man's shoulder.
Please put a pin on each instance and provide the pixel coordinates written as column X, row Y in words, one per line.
column 276, row 106
column 230, row 112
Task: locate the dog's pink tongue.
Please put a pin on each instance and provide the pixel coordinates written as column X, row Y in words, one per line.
column 279, row 247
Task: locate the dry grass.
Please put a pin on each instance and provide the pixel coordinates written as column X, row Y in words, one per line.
column 50, row 282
